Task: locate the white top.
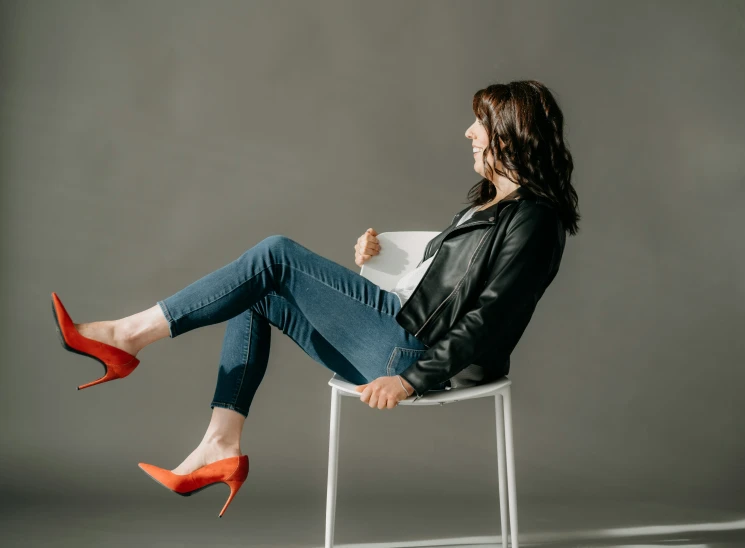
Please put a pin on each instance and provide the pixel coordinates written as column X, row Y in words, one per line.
column 408, row 282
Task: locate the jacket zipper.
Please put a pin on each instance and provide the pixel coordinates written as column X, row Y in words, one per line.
column 470, row 262
column 467, row 224
column 464, row 225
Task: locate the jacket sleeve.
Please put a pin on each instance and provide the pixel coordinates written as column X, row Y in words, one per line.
column 520, row 270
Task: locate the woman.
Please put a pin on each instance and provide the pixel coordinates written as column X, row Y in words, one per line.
column 462, row 309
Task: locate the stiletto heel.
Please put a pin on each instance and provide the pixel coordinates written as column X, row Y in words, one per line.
column 109, row 376
column 234, row 486
column 116, row 362
column 231, row 471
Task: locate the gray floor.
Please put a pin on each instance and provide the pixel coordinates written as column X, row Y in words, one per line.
column 163, row 519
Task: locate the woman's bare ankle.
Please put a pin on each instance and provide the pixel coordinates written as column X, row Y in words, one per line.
column 222, row 450
column 139, row 330
column 221, row 443
column 207, row 453
column 221, row 440
column 107, row 332
column 225, row 428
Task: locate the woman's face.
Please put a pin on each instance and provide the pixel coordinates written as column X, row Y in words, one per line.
column 476, row 133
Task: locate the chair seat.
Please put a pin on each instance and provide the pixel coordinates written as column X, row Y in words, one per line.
column 433, row 397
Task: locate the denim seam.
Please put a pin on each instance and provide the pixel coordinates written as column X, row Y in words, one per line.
column 401, row 350
column 273, row 265
column 248, row 352
column 390, row 359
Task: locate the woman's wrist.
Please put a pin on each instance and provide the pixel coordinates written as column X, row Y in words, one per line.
column 407, row 387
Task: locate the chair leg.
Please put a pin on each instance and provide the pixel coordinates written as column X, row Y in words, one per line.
column 499, row 405
column 510, row 466
column 333, row 467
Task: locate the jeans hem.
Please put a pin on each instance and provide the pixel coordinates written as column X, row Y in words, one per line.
column 230, row 406
column 171, row 324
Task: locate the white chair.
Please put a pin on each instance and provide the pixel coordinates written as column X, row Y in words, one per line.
column 400, row 253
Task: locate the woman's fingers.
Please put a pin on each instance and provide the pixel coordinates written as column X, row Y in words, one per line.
column 370, row 249
column 366, row 247
column 368, row 243
column 380, row 393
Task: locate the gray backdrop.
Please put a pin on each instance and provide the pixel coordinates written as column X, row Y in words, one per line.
column 145, row 144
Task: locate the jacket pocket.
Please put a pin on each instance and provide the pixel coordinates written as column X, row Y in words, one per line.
column 401, row 358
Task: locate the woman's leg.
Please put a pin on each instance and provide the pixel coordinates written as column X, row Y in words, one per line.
column 243, row 363
column 352, row 313
column 276, row 264
column 245, row 349
column 339, row 318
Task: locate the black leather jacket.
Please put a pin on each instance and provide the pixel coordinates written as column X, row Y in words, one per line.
column 478, row 295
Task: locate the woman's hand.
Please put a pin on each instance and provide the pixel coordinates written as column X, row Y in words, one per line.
column 383, row 392
column 367, row 245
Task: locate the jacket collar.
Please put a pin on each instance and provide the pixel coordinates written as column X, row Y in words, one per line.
column 520, row 193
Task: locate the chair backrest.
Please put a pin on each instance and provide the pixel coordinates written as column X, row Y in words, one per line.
column 400, row 252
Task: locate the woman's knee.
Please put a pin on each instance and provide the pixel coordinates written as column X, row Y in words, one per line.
column 271, row 248
column 276, row 243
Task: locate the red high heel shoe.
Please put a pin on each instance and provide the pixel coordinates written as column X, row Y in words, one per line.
column 116, row 362
column 231, row 471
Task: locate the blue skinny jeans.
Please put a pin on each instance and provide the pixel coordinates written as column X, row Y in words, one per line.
column 338, row 317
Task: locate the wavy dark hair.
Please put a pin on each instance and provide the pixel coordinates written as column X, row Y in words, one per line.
column 528, row 120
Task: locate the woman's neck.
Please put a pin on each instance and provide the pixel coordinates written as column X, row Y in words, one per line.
column 497, row 199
